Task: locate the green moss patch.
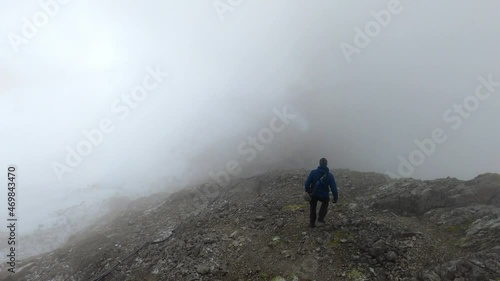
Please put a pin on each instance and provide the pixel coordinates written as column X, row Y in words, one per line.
column 458, row 229
column 296, row 207
column 339, row 236
column 356, row 275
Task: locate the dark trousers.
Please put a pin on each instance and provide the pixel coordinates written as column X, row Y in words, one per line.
column 323, row 210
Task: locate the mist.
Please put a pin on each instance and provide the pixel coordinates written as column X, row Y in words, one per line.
column 218, row 72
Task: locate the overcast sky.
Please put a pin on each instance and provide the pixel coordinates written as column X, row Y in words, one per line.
column 231, row 66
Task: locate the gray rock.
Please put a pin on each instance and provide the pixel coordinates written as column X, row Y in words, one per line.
column 391, row 256
column 203, row 269
column 259, row 218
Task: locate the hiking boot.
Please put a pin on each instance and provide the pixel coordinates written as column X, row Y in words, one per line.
column 322, row 221
column 311, row 225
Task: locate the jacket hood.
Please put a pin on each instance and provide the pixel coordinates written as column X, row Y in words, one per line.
column 323, row 169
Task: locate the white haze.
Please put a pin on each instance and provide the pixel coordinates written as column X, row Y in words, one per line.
column 225, row 79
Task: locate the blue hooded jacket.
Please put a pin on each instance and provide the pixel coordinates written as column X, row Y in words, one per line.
column 322, row 191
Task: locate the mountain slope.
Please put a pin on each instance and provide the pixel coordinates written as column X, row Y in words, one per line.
column 256, row 229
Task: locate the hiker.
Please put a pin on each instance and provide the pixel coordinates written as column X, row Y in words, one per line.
column 316, row 188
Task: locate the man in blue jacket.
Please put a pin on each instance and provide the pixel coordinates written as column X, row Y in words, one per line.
column 317, row 187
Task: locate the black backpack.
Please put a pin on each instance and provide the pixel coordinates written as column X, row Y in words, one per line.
column 315, row 185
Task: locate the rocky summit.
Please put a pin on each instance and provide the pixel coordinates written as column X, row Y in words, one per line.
column 257, row 229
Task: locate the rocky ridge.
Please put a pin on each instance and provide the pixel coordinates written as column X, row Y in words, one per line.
column 256, row 229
